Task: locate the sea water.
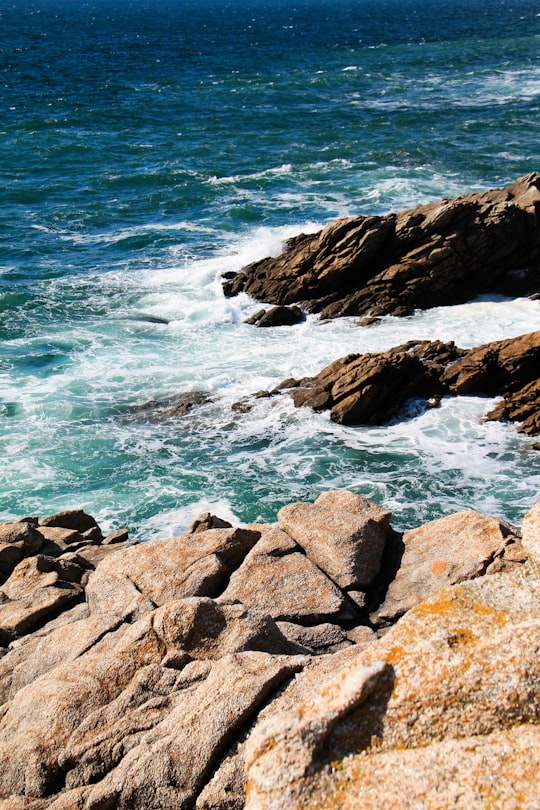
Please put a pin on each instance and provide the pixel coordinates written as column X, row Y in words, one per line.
column 149, row 146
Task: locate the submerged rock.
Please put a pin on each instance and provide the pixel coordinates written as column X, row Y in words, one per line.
column 446, row 252
column 173, row 407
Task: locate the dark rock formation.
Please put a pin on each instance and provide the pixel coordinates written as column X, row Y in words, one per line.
column 161, row 410
column 373, row 388
column 277, row 316
column 447, row 252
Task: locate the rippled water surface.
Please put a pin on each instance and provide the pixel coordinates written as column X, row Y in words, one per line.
column 148, row 147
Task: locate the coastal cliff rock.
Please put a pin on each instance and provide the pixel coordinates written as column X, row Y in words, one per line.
column 177, row 669
column 373, row 388
column 446, row 252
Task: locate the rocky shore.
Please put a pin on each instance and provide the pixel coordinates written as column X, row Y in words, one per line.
column 374, row 388
column 443, row 253
column 306, row 663
column 446, row 252
column 325, row 660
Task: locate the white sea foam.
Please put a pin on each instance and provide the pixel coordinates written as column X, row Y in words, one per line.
column 276, row 171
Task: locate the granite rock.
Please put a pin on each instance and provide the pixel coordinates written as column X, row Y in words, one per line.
column 445, row 252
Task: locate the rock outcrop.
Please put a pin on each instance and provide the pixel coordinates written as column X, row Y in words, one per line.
column 173, row 671
column 373, row 388
column 446, row 252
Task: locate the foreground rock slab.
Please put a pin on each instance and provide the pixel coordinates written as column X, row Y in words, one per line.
column 343, row 533
column 234, row 667
column 446, row 252
column 459, row 671
column 447, row 551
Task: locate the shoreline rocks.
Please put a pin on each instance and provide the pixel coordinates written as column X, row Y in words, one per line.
column 446, row 252
column 374, row 388
column 230, row 667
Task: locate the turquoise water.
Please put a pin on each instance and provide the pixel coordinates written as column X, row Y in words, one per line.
column 148, row 147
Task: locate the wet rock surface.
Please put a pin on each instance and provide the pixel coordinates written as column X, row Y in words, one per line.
column 228, row 667
column 374, row 388
column 446, row 252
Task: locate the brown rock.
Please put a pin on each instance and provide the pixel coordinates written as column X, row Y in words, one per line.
column 18, row 539
column 61, row 536
column 373, row 388
column 75, row 519
column 171, row 762
column 34, row 591
column 119, row 536
column 495, row 368
column 318, row 640
column 342, row 533
column 207, row 521
column 21, row 535
column 58, row 643
column 277, row 316
column 278, row 578
column 459, row 665
column 10, row 556
column 203, row 628
column 135, row 580
column 444, row 552
column 171, row 407
column 442, row 253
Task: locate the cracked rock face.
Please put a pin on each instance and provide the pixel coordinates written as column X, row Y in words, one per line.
column 373, row 388
column 447, row 252
column 228, row 667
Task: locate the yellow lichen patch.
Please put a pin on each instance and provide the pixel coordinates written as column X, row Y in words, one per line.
column 439, row 567
column 395, row 654
column 457, row 602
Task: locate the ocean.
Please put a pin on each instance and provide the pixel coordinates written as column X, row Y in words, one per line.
column 148, row 147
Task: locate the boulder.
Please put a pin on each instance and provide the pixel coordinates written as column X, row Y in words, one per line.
column 207, row 521
column 374, row 388
column 18, row 539
column 135, row 580
column 342, row 533
column 442, row 253
column 459, row 668
column 320, row 639
column 277, row 316
column 36, row 589
column 21, row 535
column 74, row 519
column 444, row 552
column 277, row 577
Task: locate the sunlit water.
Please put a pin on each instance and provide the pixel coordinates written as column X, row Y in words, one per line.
column 148, row 147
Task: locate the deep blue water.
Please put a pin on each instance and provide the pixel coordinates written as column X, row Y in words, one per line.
column 147, row 147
